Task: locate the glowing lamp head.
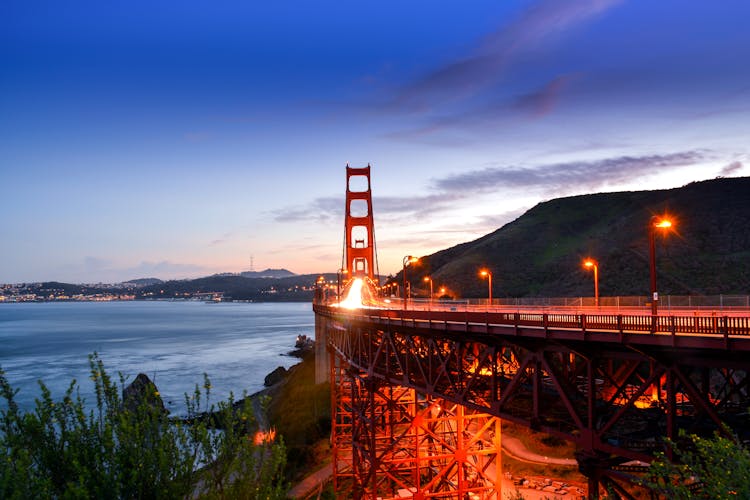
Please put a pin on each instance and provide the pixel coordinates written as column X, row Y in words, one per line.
column 661, row 222
column 427, row 279
column 484, row 273
column 410, row 259
column 589, row 263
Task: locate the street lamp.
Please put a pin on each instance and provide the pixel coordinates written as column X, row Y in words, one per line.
column 409, row 259
column 442, row 292
column 591, row 263
column 483, row 273
column 338, row 288
column 320, row 292
column 655, row 223
column 426, row 279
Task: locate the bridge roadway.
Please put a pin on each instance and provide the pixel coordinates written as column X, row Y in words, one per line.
column 678, row 327
column 615, row 381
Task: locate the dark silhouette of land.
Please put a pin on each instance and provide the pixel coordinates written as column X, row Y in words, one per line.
column 541, row 252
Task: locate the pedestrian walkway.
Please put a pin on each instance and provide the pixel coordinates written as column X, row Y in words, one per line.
column 514, row 448
column 312, row 483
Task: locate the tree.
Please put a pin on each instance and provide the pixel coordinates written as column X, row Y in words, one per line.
column 64, row 450
column 715, row 468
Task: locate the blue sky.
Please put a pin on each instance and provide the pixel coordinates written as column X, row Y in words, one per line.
column 178, row 139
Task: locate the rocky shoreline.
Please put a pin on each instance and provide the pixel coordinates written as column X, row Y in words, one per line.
column 142, row 388
column 302, row 347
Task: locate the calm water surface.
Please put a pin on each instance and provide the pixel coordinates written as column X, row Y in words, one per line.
column 174, row 343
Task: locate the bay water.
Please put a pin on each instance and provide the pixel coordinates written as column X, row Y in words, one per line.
column 174, row 343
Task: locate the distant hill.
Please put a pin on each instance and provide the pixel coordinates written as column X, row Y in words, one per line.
column 142, row 282
column 293, row 288
column 290, row 288
column 541, row 252
column 268, row 273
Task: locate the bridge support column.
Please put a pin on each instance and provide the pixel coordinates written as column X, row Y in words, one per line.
column 391, row 441
column 591, row 466
column 322, row 368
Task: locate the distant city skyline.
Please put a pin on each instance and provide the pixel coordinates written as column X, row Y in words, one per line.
column 177, row 140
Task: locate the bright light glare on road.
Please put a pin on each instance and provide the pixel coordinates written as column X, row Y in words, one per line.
column 353, row 298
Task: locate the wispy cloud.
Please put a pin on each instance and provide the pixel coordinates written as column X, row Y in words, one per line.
column 222, row 239
column 534, row 104
column 320, row 210
column 487, row 64
column 467, row 94
column 733, row 168
column 542, row 101
column 561, row 176
column 445, row 192
column 329, row 209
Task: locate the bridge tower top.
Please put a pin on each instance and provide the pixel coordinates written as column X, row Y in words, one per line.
column 360, row 257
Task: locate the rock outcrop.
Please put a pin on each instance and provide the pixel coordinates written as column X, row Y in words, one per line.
column 275, row 376
column 142, row 390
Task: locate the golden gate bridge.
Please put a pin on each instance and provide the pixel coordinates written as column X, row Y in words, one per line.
column 420, row 388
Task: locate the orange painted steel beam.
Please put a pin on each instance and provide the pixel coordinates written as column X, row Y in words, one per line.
column 615, row 394
column 401, row 443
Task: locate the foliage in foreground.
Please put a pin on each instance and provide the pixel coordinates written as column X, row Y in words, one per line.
column 63, row 450
column 301, row 412
column 720, row 464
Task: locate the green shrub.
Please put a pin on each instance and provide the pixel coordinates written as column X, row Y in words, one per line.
column 62, row 450
column 710, row 468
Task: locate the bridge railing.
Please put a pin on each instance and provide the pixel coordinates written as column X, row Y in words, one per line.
column 470, row 317
column 677, row 304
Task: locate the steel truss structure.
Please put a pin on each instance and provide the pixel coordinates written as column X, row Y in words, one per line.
column 616, row 400
column 390, row 441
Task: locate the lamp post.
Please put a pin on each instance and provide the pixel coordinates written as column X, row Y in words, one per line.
column 407, row 260
column 483, row 273
column 426, row 279
column 320, row 290
column 338, row 281
column 591, row 263
column 655, row 223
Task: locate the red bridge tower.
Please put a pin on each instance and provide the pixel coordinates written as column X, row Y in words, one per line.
column 360, row 257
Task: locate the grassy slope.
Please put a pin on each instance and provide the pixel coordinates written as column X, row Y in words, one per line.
column 540, row 253
column 301, row 413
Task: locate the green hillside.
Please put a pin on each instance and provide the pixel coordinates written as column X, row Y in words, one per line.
column 541, row 252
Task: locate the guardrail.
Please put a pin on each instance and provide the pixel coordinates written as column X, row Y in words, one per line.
column 668, row 304
column 725, row 325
